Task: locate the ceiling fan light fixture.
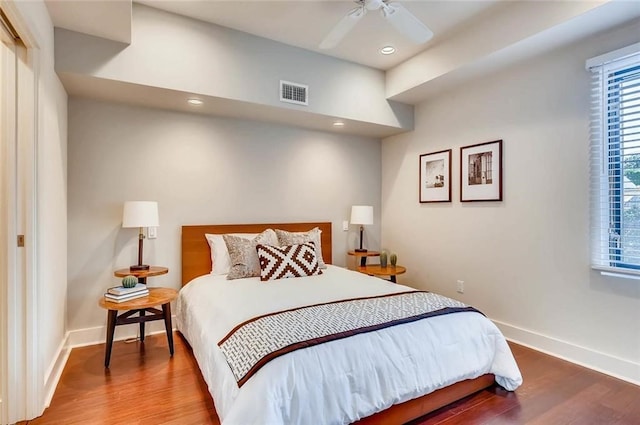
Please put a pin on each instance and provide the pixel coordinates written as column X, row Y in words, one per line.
column 388, row 50
column 374, row 4
column 386, row 10
column 394, row 13
column 406, row 23
column 341, row 29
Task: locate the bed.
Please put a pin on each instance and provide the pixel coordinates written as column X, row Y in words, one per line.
column 378, row 377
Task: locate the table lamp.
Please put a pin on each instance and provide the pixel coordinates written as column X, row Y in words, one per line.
column 362, row 215
column 140, row 214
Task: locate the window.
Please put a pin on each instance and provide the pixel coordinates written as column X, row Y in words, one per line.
column 615, row 161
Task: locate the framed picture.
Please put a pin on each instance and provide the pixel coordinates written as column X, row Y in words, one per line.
column 435, row 177
column 481, row 172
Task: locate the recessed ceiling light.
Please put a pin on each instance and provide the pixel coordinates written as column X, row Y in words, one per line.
column 388, row 50
column 338, row 124
column 194, row 101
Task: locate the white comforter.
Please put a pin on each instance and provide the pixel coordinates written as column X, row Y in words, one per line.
column 340, row 381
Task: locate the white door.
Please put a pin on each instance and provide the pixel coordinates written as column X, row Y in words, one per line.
column 8, row 84
column 21, row 371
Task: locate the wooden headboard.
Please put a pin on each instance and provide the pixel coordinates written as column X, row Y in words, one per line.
column 196, row 256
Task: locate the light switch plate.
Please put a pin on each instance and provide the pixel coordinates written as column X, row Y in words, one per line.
column 152, row 232
column 345, row 225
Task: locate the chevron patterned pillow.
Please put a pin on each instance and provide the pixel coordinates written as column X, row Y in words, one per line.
column 287, row 261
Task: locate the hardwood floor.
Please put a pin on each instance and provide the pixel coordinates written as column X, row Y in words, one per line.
column 142, row 386
column 145, row 386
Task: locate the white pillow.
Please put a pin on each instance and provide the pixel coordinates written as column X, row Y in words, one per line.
column 220, row 261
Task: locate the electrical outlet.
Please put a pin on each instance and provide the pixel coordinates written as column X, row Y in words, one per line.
column 152, row 232
column 345, row 225
column 460, row 287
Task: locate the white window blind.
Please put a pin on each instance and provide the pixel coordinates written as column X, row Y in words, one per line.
column 615, row 161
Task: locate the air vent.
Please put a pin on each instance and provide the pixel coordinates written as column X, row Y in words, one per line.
column 294, row 93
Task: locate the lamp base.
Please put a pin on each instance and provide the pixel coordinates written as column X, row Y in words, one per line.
column 138, row 267
column 361, row 250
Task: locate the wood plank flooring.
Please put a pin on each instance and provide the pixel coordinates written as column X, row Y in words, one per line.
column 142, row 386
column 145, row 386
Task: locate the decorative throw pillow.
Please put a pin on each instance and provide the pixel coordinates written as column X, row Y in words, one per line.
column 293, row 238
column 220, row 261
column 243, row 256
column 287, row 261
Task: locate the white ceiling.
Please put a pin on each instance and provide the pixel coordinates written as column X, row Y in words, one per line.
column 109, row 19
column 304, row 23
column 471, row 38
column 300, row 23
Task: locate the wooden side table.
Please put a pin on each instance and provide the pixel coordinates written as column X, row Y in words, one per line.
column 142, row 275
column 142, row 306
column 376, row 270
column 363, row 256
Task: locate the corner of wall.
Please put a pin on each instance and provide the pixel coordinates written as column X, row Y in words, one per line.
column 54, row 371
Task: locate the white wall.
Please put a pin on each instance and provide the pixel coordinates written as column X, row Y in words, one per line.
column 52, row 226
column 525, row 261
column 183, row 54
column 201, row 170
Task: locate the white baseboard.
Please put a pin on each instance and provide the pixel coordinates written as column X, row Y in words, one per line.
column 52, row 376
column 84, row 337
column 98, row 334
column 601, row 362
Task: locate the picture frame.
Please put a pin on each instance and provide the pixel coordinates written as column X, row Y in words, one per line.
column 481, row 172
column 435, row 177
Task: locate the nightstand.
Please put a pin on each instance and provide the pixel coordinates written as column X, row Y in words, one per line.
column 142, row 306
column 376, row 270
column 142, row 275
column 363, row 256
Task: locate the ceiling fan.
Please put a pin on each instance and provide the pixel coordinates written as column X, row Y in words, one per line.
column 400, row 18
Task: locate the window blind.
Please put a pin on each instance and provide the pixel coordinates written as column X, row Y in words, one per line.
column 615, row 161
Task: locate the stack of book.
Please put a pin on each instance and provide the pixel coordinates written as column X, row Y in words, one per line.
column 119, row 294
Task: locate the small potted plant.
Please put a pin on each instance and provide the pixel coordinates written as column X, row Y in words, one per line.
column 129, row 281
column 383, row 259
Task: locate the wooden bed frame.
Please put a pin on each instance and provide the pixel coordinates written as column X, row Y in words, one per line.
column 196, row 255
column 196, row 261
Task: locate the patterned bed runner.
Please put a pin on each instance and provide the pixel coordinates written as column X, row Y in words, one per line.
column 252, row 344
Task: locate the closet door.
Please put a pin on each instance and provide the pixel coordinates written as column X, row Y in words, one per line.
column 9, row 402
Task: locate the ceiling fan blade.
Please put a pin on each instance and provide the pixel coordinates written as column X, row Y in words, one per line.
column 343, row 27
column 406, row 23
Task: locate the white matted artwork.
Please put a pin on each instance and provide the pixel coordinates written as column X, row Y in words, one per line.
column 435, row 177
column 481, row 172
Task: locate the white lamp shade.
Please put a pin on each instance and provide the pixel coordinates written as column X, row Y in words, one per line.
column 140, row 214
column 361, row 214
